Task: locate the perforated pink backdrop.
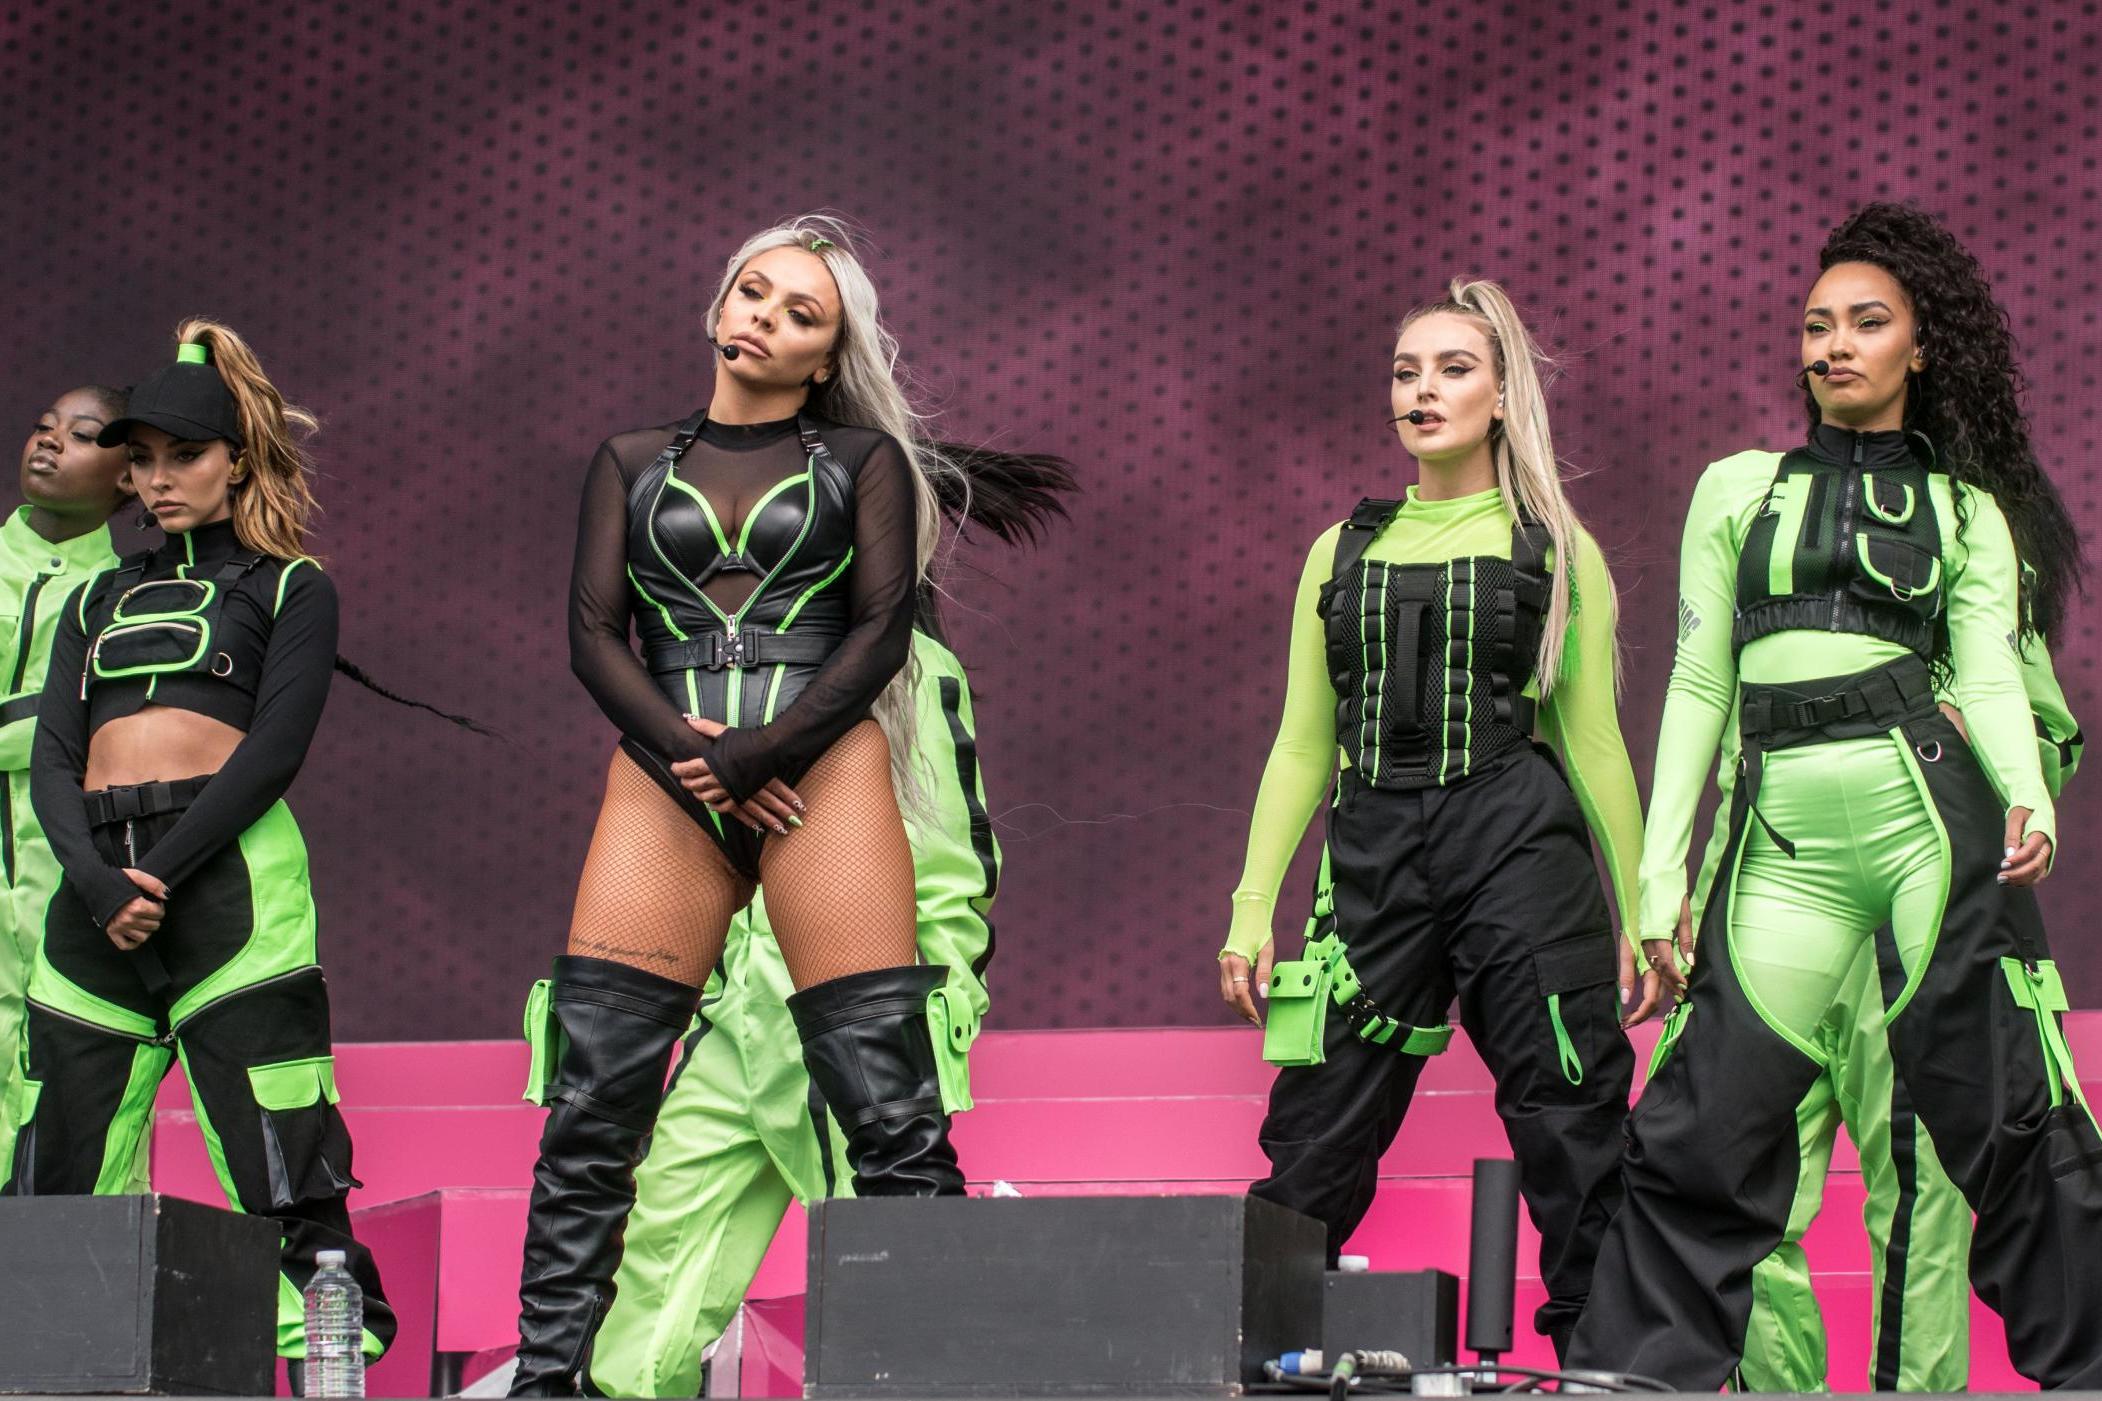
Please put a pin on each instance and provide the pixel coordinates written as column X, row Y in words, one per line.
column 1170, row 240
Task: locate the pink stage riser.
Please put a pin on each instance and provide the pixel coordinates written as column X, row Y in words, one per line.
column 445, row 1151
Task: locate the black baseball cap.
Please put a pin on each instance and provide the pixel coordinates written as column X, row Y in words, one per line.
column 187, row 400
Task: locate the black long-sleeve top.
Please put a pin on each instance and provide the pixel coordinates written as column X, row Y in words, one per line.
column 277, row 636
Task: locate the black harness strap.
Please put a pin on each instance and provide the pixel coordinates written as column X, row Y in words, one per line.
column 1364, row 525
column 110, row 805
column 1846, row 707
column 681, row 439
column 1813, row 712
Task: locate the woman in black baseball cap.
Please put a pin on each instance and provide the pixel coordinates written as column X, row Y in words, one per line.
column 184, row 688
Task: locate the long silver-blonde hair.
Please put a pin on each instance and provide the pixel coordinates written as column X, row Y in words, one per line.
column 864, row 393
column 1527, row 472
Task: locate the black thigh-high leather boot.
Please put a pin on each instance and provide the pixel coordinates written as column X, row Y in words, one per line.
column 871, row 1055
column 618, row 1025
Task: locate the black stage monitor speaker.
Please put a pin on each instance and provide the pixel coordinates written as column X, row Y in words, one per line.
column 1416, row 1312
column 1056, row 1296
column 136, row 1296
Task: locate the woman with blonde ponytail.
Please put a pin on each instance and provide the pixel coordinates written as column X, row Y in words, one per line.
column 184, row 688
column 767, row 552
column 1433, row 638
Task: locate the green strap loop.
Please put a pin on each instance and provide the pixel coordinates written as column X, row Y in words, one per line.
column 2039, row 988
column 1426, row 1040
column 192, row 353
column 1572, row 1063
column 1379, row 1028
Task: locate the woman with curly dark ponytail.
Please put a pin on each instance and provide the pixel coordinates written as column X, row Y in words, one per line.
column 1966, row 397
column 1831, row 597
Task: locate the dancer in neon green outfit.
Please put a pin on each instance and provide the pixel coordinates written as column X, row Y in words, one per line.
column 741, row 1132
column 1824, row 594
column 1919, row 1226
column 47, row 549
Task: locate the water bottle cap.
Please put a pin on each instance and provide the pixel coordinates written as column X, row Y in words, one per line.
column 325, row 1258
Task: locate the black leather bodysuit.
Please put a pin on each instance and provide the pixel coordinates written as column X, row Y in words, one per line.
column 768, row 572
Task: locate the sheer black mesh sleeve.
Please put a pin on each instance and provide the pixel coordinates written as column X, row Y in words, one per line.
column 600, row 607
column 880, row 584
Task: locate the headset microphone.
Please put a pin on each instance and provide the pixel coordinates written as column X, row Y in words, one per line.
column 728, row 352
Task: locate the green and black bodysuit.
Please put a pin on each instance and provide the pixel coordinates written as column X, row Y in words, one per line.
column 768, row 570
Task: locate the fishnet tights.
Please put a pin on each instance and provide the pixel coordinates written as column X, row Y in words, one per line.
column 658, row 894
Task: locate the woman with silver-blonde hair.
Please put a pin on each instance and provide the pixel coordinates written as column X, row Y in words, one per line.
column 768, row 551
column 1433, row 638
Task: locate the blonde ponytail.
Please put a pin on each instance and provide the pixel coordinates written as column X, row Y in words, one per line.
column 866, row 392
column 1526, row 470
column 272, row 502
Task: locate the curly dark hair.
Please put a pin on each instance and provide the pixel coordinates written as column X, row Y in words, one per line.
column 1968, row 399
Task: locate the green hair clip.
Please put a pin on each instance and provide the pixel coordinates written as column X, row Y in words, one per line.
column 819, row 245
column 193, row 353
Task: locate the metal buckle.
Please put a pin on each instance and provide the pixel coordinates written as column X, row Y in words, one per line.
column 737, row 649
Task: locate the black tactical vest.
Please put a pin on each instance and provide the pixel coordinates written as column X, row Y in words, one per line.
column 170, row 627
column 1843, row 548
column 1430, row 661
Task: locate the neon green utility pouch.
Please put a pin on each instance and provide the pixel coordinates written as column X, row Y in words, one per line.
column 294, row 1084
column 543, row 1036
column 953, row 1023
column 164, row 625
column 1299, row 998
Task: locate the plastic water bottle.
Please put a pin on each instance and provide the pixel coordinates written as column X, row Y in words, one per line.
column 335, row 1310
